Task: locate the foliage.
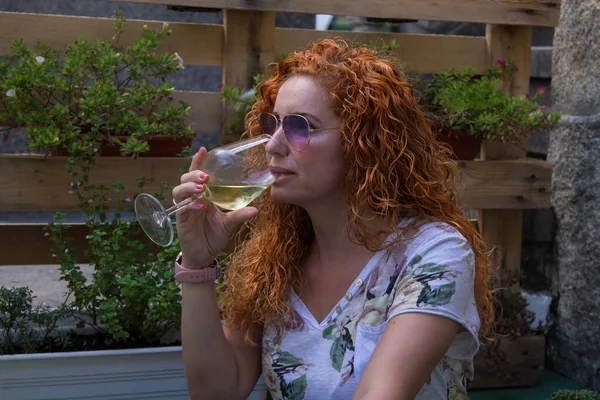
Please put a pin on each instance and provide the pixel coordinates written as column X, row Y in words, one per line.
column 132, row 296
column 94, row 92
column 478, row 105
column 512, row 317
column 239, row 101
column 28, row 329
column 564, row 394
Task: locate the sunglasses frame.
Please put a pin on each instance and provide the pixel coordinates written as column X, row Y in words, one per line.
column 280, row 117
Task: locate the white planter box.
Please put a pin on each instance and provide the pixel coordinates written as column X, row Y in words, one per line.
column 150, row 373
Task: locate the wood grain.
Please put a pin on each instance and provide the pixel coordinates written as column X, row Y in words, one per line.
column 507, row 362
column 38, row 183
column 502, row 230
column 523, row 12
column 247, row 49
column 414, row 51
column 206, row 110
column 510, row 185
column 495, row 184
column 60, row 31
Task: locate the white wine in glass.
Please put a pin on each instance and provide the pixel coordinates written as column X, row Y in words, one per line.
column 238, row 174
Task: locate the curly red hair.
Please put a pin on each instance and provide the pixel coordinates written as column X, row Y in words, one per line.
column 396, row 168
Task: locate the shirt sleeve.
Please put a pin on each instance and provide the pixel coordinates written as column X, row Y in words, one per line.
column 439, row 279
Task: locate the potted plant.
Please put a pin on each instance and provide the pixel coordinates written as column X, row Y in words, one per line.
column 465, row 109
column 99, row 98
column 514, row 354
column 116, row 334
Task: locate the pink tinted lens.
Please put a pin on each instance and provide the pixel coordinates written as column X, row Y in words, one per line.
column 268, row 124
column 295, row 128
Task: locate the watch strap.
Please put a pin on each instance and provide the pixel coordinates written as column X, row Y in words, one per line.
column 196, row 275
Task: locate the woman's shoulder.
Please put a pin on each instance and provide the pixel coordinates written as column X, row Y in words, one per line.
column 419, row 233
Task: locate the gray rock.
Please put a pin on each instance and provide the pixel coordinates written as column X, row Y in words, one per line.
column 576, row 58
column 574, row 344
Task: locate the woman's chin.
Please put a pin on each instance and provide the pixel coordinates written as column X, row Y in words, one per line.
column 284, row 196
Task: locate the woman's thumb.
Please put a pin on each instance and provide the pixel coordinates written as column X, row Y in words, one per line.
column 233, row 219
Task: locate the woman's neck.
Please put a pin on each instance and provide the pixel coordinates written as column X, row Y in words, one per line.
column 332, row 244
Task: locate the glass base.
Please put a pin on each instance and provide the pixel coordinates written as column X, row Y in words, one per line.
column 154, row 220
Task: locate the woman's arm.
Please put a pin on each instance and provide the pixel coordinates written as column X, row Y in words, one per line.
column 218, row 363
column 409, row 350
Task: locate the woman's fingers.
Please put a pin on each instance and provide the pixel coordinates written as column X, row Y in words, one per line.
column 198, row 159
column 188, row 189
column 194, row 176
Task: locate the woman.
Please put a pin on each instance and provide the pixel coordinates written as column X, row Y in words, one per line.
column 360, row 277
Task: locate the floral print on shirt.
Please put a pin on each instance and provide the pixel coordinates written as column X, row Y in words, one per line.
column 394, row 285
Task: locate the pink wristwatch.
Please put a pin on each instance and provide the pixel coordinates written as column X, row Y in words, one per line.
column 200, row 275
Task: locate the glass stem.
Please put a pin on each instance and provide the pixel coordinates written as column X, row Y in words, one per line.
column 183, row 203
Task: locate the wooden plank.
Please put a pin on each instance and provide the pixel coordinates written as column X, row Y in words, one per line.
column 503, row 229
column 206, row 109
column 60, row 31
column 247, row 49
column 518, row 184
column 523, row 12
column 414, row 51
column 38, row 183
column 205, row 112
column 509, row 362
column 506, row 42
column 494, row 184
column 28, row 245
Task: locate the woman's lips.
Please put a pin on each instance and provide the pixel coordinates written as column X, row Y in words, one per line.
column 280, row 173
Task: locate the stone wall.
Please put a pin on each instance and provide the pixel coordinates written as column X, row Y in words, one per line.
column 574, row 345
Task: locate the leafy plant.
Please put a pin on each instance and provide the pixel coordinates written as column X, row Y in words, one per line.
column 240, row 102
column 565, row 394
column 132, row 296
column 94, row 93
column 28, row 329
column 478, row 106
column 512, row 318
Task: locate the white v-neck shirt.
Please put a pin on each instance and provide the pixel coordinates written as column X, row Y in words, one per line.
column 432, row 273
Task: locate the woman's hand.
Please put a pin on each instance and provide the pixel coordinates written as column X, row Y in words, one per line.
column 203, row 230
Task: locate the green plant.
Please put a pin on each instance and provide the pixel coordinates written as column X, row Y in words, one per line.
column 512, row 318
column 93, row 93
column 132, row 297
column 240, row 102
column 28, row 329
column 477, row 105
column 565, row 394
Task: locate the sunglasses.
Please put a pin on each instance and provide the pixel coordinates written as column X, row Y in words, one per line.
column 296, row 128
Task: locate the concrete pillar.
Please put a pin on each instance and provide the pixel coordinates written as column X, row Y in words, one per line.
column 574, row 343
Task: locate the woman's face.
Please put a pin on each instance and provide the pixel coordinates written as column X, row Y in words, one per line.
column 315, row 174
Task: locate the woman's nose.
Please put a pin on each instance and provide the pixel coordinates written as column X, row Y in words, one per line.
column 277, row 144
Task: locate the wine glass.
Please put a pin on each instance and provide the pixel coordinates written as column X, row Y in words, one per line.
column 238, row 173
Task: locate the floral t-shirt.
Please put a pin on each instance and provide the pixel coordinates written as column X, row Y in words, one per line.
column 432, row 273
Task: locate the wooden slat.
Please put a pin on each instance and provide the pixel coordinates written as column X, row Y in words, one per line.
column 60, row 31
column 419, row 53
column 38, row 183
column 28, row 245
column 247, row 49
column 509, row 362
column 206, row 110
column 511, row 184
column 495, row 184
column 502, row 230
column 523, row 12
